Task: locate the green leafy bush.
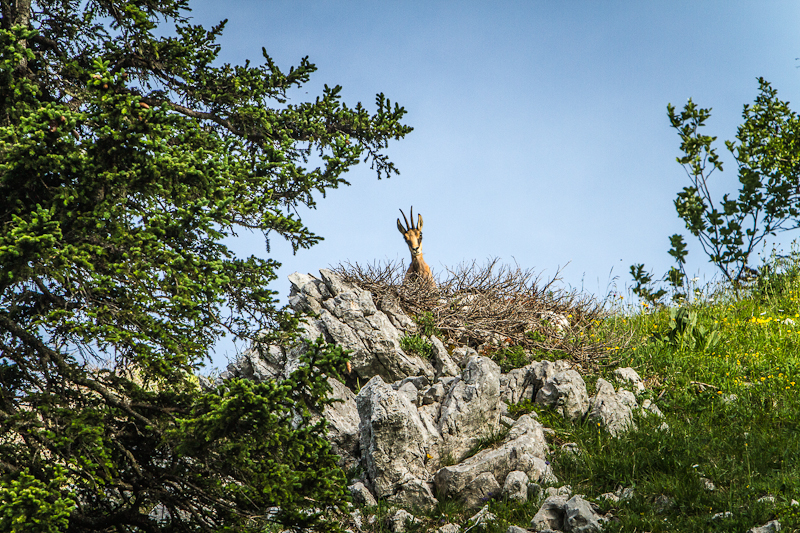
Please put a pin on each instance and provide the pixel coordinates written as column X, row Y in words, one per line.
column 417, row 344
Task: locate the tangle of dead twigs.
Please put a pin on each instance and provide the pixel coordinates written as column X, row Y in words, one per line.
column 495, row 306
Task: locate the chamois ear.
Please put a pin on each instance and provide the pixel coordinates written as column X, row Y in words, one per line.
column 400, row 227
column 419, row 222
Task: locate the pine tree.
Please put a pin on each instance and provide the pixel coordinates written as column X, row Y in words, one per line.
column 128, row 154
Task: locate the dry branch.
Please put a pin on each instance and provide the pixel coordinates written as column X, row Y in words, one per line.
column 495, row 305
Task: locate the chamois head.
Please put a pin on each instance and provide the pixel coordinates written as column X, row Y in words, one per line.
column 413, row 237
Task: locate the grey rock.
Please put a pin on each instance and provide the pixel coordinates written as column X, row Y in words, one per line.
column 449, row 528
column 580, row 517
column 399, row 521
column 361, row 494
column 515, row 487
column 343, row 422
column 462, row 354
column 770, row 527
column 542, row 372
column 523, row 449
column 357, row 520
column 349, row 317
column 414, row 494
column 442, row 362
column 518, row 384
column 550, row 514
column 565, row 491
column 621, row 494
column 479, row 490
column 571, row 447
column 396, row 316
column 420, row 382
column 410, row 392
column 516, row 529
column 631, row 376
column 394, row 440
column 707, row 484
column 507, row 421
column 471, row 409
column 482, row 518
column 611, row 409
column 306, row 293
column 566, row 393
column 434, row 394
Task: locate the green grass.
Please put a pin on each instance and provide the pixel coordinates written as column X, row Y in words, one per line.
column 733, row 409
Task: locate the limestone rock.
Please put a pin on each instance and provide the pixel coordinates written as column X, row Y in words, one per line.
column 349, row 317
column 394, row 440
column 396, row 316
column 550, row 514
column 523, row 449
column 361, row 494
column 566, row 393
column 442, row 362
column 471, row 409
column 515, row 487
column 611, row 409
column 482, row 518
column 518, row 384
column 399, row 521
column 580, row 516
column 480, row 490
column 434, row 394
column 631, row 376
column 414, row 493
column 343, row 422
column 770, row 527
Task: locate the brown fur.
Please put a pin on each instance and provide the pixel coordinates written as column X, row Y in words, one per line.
column 413, row 238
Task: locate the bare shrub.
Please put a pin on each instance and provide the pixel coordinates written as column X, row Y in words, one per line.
column 495, row 305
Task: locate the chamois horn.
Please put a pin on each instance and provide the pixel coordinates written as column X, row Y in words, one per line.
column 404, row 218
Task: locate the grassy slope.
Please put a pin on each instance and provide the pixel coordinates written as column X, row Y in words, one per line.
column 734, row 415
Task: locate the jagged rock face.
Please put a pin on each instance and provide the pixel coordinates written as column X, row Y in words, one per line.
column 550, row 515
column 524, row 450
column 343, row 421
column 481, row 489
column 612, row 409
column 348, row 317
column 566, row 393
column 580, row 517
column 515, row 487
column 394, row 440
column 414, row 415
column 471, row 409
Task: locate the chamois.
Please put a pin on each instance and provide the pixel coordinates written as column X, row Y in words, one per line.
column 413, row 237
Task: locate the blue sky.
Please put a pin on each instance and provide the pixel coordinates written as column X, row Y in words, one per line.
column 540, row 128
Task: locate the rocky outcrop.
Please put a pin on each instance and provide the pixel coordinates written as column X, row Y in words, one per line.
column 523, row 450
column 612, row 409
column 394, row 443
column 348, row 317
column 566, row 393
column 416, row 426
column 471, row 408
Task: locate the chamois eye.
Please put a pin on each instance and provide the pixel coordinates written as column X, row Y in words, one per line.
column 420, row 238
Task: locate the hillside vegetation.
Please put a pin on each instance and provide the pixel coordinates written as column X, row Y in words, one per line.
column 724, row 370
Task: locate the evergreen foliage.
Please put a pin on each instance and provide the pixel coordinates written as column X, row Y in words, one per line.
column 128, row 155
